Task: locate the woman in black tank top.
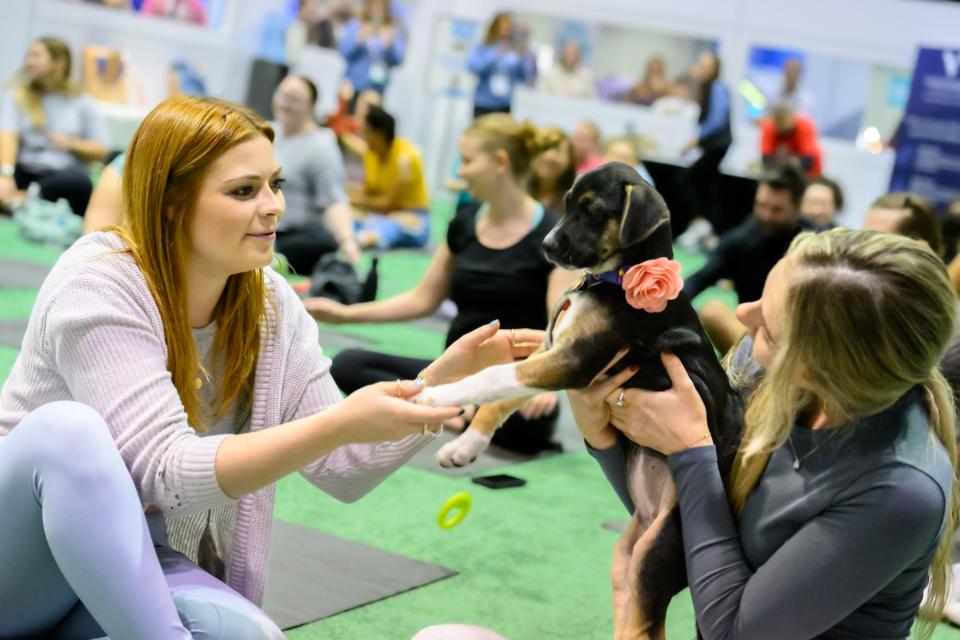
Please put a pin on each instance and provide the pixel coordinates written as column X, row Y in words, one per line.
column 491, row 265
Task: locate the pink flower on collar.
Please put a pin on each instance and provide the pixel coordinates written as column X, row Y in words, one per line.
column 651, row 284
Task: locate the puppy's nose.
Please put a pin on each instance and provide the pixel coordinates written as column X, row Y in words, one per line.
column 550, row 243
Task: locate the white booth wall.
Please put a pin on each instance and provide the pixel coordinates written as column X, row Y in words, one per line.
column 879, row 32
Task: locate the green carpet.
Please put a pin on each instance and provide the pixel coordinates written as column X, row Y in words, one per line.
column 533, row 562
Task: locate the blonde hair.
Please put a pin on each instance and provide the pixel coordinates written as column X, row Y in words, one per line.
column 493, row 29
column 167, row 161
column 868, row 316
column 522, row 142
column 28, row 95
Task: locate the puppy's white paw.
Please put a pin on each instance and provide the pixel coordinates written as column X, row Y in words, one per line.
column 463, row 450
column 444, row 395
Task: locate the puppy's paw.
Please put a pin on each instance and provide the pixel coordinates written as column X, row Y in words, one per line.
column 463, row 450
column 444, row 395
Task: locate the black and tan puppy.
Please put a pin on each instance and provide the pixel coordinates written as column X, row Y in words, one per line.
column 614, row 222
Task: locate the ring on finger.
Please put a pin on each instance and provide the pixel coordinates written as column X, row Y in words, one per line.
column 620, row 400
column 513, row 337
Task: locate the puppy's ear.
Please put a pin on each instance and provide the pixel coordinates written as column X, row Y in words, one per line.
column 643, row 212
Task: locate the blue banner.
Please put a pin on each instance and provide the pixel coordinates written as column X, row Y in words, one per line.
column 928, row 140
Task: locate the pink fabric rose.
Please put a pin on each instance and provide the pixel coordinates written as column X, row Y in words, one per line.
column 651, row 284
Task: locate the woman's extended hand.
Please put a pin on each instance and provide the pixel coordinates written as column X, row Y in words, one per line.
column 382, row 411
column 665, row 421
column 590, row 410
column 326, row 310
column 482, row 348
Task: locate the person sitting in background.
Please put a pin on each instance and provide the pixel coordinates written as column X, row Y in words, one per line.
column 906, row 214
column 318, row 218
column 822, row 201
column 569, row 77
column 49, row 130
column 626, row 150
column 372, row 46
column 553, row 171
column 586, row 146
column 747, row 253
column 901, row 214
column 788, row 134
column 499, row 64
column 394, row 190
column 653, row 86
column 491, row 264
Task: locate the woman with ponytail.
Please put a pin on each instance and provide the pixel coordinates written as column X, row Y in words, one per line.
column 491, row 265
column 49, row 130
column 842, row 502
column 167, row 371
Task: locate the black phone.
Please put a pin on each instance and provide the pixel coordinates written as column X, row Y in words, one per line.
column 499, row 481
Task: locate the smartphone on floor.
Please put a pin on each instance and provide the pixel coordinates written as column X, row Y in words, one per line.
column 499, row 481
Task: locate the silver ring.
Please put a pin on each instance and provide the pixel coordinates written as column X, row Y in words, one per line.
column 620, row 401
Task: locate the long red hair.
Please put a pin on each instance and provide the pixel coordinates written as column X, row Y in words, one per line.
column 166, row 163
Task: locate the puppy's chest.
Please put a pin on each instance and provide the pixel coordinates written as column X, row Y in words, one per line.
column 591, row 312
column 595, row 326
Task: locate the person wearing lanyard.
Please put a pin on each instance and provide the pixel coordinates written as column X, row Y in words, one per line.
column 372, row 46
column 499, row 64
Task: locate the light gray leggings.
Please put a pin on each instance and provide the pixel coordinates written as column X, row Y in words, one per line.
column 76, row 556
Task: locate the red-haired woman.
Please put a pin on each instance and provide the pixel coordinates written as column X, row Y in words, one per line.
column 165, row 370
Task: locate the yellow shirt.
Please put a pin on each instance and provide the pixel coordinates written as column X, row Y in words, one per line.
column 403, row 168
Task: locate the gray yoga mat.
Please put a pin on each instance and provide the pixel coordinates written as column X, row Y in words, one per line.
column 314, row 575
column 17, row 274
column 12, row 332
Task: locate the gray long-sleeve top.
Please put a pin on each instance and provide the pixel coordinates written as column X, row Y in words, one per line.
column 839, row 548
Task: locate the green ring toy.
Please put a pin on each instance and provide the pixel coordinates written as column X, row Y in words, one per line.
column 462, row 502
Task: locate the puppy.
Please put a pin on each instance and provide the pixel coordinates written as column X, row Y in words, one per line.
column 614, row 222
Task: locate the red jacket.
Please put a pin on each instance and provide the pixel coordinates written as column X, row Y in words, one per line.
column 800, row 143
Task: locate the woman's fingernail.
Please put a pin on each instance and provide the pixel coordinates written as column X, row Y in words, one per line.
column 492, row 322
column 419, row 382
column 634, row 368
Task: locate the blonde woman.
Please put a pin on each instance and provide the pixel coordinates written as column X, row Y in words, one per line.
column 49, row 130
column 166, row 370
column 843, row 489
column 491, row 264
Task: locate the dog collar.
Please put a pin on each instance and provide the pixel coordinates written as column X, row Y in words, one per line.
column 648, row 286
column 614, row 276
